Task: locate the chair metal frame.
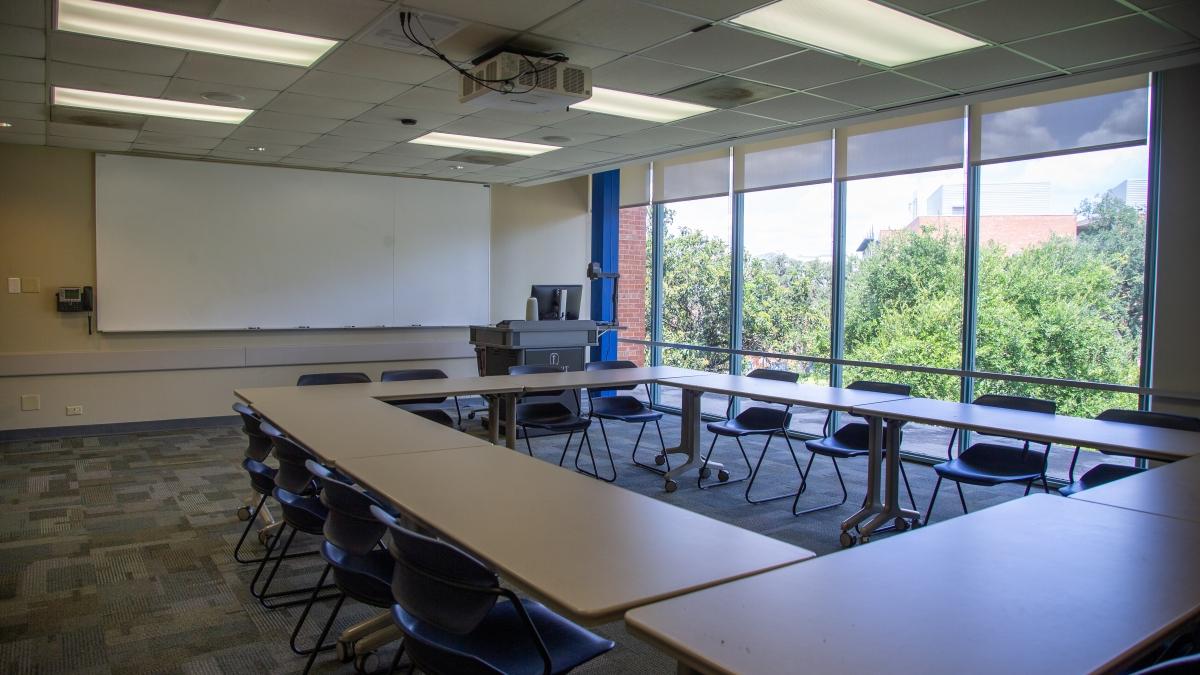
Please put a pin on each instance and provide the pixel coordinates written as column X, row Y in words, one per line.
column 406, row 375
column 585, row 423
column 600, row 417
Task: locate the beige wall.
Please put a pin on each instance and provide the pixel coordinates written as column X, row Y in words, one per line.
column 540, row 235
column 47, row 230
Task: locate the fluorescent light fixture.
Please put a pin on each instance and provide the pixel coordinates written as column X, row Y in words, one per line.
column 139, row 105
column 858, row 28
column 639, row 106
column 480, row 143
column 132, row 24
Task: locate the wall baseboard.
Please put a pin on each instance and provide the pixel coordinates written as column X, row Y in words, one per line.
column 42, row 433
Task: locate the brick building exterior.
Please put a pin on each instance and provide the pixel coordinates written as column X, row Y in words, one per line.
column 1014, row 232
column 634, row 285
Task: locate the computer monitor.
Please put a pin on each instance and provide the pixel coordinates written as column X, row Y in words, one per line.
column 547, row 298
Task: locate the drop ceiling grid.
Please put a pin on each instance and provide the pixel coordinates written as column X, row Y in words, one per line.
column 356, row 129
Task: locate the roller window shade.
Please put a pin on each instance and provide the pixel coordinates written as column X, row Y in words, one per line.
column 1075, row 119
column 788, row 161
column 635, row 185
column 692, row 177
column 925, row 142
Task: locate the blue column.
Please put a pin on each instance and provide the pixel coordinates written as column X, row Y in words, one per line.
column 606, row 191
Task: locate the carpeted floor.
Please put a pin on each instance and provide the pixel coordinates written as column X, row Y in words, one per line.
column 115, row 551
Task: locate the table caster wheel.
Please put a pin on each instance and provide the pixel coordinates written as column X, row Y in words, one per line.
column 670, row 485
column 722, row 475
column 264, row 537
column 345, row 651
column 244, row 513
column 847, row 539
column 366, row 663
column 659, row 460
column 916, row 522
column 900, row 524
column 865, row 540
column 705, row 472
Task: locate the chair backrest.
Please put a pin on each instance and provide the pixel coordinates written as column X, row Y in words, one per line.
column 1026, row 403
column 881, row 387
column 773, row 374
column 259, row 444
column 414, row 374
column 538, row 370
column 311, row 379
column 1151, row 419
column 292, row 475
column 350, row 524
column 764, row 419
column 609, row 365
column 436, row 582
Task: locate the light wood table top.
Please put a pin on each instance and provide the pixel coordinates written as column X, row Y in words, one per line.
column 759, row 389
column 1169, row 490
column 590, row 549
column 1129, row 439
column 601, row 378
column 454, row 386
column 1040, row 584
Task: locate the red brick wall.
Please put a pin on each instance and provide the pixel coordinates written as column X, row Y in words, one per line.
column 631, row 303
column 1014, row 233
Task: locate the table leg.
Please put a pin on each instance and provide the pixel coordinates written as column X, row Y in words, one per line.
column 871, row 503
column 493, row 402
column 689, row 439
column 891, row 499
column 510, row 427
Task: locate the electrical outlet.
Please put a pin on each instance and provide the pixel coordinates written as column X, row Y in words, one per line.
column 74, row 410
column 31, row 284
column 31, row 402
column 14, row 284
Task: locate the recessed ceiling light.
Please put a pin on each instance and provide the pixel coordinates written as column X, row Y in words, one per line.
column 138, row 105
column 858, row 28
column 479, row 143
column 639, row 106
column 5, row 125
column 222, row 97
column 256, row 148
column 186, row 32
column 458, row 167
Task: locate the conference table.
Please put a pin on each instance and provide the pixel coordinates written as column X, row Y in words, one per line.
column 1037, row 584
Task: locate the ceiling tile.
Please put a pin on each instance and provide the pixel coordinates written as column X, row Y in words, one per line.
column 87, row 143
column 339, row 19
column 301, row 163
column 260, row 136
column 472, row 40
column 87, row 131
column 177, row 140
column 200, row 8
column 616, row 24
column 547, row 162
column 1185, row 16
column 434, row 100
column 579, row 54
column 286, row 122
column 926, row 6
column 167, row 125
column 25, row 111
column 419, row 150
column 1154, row 4
column 726, row 122
column 114, row 54
column 726, row 91
column 351, row 143
column 242, row 147
column 318, row 106
column 20, row 126
column 327, row 155
column 516, row 14
column 381, row 64
column 583, row 155
column 523, row 117
column 1111, row 40
column 449, row 81
column 977, row 68
column 710, row 9
column 664, row 135
column 98, row 118
column 806, row 70
column 720, row 49
column 880, row 90
column 213, row 68
column 336, row 85
column 1008, row 20
column 478, row 126
column 20, row 69
column 22, row 41
column 195, row 91
column 644, row 76
column 380, row 132
column 30, row 13
column 391, row 115
column 540, row 136
column 24, row 92
column 168, row 149
column 603, row 125
column 104, row 79
column 796, row 108
column 391, row 161
column 8, row 136
column 252, row 157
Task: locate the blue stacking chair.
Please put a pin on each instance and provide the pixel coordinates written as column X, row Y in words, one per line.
column 361, row 569
column 555, row 417
column 457, row 618
column 297, row 495
column 1107, row 473
column 849, row 441
column 434, row 414
column 312, row 379
column 990, row 464
column 262, row 477
column 625, row 408
column 753, row 421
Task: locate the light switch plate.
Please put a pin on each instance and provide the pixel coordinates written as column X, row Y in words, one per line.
column 31, row 402
column 14, row 284
column 31, row 284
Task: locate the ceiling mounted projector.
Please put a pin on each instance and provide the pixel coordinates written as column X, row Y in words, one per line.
column 513, row 81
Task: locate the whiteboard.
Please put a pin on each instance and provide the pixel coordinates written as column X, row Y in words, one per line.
column 187, row 245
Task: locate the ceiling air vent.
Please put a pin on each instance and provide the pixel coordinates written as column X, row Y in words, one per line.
column 485, row 158
column 725, row 92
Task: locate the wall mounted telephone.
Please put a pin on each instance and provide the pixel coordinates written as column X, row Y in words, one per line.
column 75, row 299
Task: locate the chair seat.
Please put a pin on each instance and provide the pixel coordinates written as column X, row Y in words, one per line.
column 262, row 477
column 305, row 513
column 992, row 464
column 734, row 427
column 852, row 440
column 550, row 416
column 434, row 415
column 1099, row 475
column 366, row 578
column 623, row 409
column 502, row 642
